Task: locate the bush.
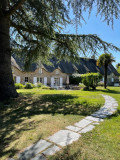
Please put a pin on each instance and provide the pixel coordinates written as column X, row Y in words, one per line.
column 90, row 80
column 29, row 86
column 45, row 87
column 101, row 83
column 39, row 85
column 75, row 79
column 81, row 85
column 19, row 86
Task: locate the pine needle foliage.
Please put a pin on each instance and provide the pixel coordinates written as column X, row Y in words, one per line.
column 37, row 28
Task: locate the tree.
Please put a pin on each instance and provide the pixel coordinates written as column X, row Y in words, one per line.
column 36, row 31
column 104, row 60
column 118, row 68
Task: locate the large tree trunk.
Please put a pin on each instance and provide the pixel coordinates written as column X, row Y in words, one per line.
column 7, row 88
column 105, row 76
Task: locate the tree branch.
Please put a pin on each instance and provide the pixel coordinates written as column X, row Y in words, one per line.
column 14, row 8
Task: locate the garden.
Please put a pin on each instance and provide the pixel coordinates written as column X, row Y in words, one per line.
column 38, row 113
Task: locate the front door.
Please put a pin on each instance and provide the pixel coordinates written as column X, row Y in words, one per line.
column 56, row 81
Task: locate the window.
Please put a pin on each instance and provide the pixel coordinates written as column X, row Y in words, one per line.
column 56, row 81
column 37, row 79
column 57, row 72
column 112, row 79
column 26, row 79
column 40, row 70
column 41, row 80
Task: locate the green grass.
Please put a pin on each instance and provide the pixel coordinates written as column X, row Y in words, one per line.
column 103, row 143
column 37, row 114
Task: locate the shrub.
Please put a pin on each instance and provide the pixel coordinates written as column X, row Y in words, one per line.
column 29, row 86
column 81, row 85
column 101, row 83
column 90, row 80
column 19, row 86
column 75, row 79
column 39, row 85
column 45, row 87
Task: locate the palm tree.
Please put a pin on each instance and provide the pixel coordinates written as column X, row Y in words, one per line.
column 104, row 60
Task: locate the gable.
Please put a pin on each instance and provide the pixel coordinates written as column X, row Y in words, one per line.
column 85, row 65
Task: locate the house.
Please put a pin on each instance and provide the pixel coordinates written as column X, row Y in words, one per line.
column 57, row 74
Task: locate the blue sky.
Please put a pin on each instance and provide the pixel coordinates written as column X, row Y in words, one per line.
column 94, row 25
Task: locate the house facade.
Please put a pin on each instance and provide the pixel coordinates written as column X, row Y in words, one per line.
column 57, row 75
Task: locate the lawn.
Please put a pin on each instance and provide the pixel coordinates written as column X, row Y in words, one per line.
column 37, row 114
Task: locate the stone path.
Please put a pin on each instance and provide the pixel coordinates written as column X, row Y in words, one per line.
column 65, row 137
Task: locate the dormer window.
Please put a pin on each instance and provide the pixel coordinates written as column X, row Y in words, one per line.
column 57, row 72
column 40, row 70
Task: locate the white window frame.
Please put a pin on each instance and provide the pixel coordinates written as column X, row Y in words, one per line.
column 112, row 79
column 45, row 81
column 27, row 79
column 18, row 79
column 57, row 71
column 40, row 70
column 34, row 80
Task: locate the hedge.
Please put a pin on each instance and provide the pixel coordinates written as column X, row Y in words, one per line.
column 91, row 80
column 19, row 86
column 75, row 79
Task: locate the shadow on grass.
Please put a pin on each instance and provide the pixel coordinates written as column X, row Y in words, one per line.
column 108, row 91
column 26, row 106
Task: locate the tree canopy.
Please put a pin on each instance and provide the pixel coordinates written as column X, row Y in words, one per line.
column 118, row 68
column 36, row 27
column 104, row 60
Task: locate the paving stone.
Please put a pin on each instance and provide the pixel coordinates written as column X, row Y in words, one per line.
column 99, row 116
column 10, row 159
column 33, row 150
column 73, row 128
column 64, row 137
column 39, row 157
column 95, row 123
column 115, row 104
column 94, row 119
column 83, row 123
column 107, row 113
column 87, row 129
column 52, row 150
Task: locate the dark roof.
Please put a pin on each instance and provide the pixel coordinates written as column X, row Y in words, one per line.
column 21, row 61
column 13, row 63
column 85, row 65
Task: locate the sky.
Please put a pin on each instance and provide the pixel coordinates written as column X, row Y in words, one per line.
column 94, row 25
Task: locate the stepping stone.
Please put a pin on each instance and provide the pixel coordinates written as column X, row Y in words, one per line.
column 73, row 128
column 94, row 119
column 33, row 150
column 108, row 113
column 52, row 150
column 39, row 157
column 95, row 123
column 87, row 129
column 115, row 104
column 83, row 123
column 99, row 115
column 64, row 137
